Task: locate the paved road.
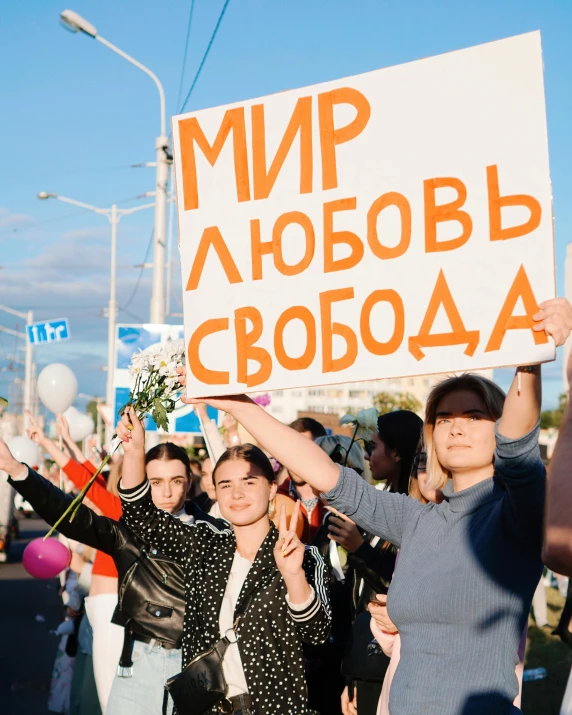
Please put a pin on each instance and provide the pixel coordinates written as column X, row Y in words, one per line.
column 27, row 649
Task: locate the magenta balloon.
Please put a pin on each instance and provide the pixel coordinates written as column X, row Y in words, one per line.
column 45, row 559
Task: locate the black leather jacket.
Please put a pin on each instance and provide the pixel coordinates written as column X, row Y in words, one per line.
column 151, row 586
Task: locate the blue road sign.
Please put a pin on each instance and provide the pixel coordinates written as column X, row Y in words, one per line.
column 52, row 331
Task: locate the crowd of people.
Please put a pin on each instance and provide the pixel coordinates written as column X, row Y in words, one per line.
column 272, row 578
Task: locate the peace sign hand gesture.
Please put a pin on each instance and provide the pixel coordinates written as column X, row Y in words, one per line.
column 289, row 550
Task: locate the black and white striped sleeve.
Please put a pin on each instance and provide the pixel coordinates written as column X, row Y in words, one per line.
column 313, row 618
column 174, row 538
column 134, row 494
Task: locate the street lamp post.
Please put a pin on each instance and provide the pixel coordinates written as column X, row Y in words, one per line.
column 113, row 215
column 75, row 23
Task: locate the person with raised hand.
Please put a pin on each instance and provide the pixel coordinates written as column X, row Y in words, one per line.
column 148, row 616
column 469, row 566
column 79, row 470
column 279, row 584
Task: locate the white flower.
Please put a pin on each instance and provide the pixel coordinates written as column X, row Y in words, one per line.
column 367, row 424
column 170, row 369
column 366, row 434
column 156, row 357
column 175, row 349
column 368, row 418
column 171, row 372
column 163, row 366
column 140, row 359
column 348, row 419
column 165, row 359
column 139, row 363
column 172, row 382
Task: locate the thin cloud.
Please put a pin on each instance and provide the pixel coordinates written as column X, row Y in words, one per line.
column 13, row 220
column 69, row 277
column 92, row 234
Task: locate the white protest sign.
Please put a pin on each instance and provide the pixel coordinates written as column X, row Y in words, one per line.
column 390, row 224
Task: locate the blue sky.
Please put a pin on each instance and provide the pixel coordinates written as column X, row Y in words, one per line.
column 75, row 116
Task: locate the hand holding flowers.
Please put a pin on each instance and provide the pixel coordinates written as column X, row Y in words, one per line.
column 155, row 392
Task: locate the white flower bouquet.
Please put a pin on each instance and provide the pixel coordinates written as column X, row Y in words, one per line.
column 155, row 393
column 156, row 382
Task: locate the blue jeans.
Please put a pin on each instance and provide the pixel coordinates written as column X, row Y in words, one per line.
column 142, row 694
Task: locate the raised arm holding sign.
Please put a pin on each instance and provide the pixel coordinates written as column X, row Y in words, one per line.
column 486, row 534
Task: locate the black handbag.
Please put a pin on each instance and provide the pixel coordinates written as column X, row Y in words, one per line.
column 201, row 684
column 364, row 659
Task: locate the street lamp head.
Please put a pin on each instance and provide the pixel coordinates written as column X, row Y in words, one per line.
column 75, row 23
column 45, row 195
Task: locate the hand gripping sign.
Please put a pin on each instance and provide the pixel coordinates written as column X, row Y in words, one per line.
column 390, row 224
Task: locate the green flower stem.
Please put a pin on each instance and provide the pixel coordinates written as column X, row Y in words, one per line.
column 151, row 390
column 351, row 445
column 87, row 487
column 74, row 506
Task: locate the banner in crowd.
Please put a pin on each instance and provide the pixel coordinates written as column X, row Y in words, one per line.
column 390, row 224
column 132, row 338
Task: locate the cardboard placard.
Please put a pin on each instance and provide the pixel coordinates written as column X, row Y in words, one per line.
column 394, row 223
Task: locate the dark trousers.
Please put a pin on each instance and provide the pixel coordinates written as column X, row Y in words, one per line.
column 326, row 684
column 368, row 694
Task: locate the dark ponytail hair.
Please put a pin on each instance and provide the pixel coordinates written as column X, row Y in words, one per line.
column 401, row 431
column 247, row 453
column 169, row 452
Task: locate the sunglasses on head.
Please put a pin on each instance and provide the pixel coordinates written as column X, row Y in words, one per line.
column 338, row 456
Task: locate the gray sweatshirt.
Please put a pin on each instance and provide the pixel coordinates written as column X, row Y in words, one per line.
column 461, row 594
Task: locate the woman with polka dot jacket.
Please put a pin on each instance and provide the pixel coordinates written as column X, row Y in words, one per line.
column 223, row 567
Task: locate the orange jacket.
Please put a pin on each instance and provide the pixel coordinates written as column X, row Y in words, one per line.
column 312, row 525
column 109, row 504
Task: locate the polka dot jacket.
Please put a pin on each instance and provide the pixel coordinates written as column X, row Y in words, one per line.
column 270, row 634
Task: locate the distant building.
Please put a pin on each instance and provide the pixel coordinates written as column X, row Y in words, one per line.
column 287, row 405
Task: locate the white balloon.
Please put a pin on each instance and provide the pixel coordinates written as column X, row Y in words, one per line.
column 81, row 425
column 57, row 387
column 24, row 450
